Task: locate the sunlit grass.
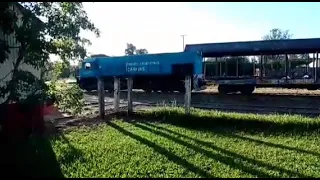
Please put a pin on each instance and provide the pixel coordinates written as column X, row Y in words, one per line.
column 206, row 144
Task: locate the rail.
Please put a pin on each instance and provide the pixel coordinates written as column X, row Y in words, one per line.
column 237, row 108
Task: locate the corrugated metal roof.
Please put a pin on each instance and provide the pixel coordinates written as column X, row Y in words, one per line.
column 290, row 46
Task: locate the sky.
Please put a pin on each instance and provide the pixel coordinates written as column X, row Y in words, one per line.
column 158, row 26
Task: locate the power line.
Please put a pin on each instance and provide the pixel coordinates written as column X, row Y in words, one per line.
column 183, row 40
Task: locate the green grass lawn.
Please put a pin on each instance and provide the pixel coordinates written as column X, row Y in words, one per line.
column 170, row 144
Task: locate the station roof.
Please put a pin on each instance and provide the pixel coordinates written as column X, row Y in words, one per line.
column 265, row 47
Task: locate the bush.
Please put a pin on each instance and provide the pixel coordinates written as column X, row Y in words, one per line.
column 67, row 97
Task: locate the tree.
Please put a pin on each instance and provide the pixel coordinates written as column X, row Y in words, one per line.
column 141, row 51
column 132, row 50
column 277, row 34
column 57, row 34
column 278, row 60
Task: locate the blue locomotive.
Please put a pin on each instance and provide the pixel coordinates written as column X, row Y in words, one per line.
column 163, row 72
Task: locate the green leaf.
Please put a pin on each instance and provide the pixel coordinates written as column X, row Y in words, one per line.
column 57, row 34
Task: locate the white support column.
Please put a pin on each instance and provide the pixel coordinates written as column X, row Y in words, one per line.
column 317, row 67
column 314, row 67
column 116, row 94
column 187, row 97
column 101, row 97
column 307, row 65
column 261, row 66
column 129, row 84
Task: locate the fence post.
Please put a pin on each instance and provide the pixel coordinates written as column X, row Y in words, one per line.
column 116, row 94
column 129, row 84
column 187, row 96
column 101, row 97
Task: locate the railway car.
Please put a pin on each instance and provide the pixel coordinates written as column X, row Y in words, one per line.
column 151, row 72
column 245, row 77
column 290, row 63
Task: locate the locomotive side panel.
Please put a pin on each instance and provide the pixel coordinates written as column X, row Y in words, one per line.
column 149, row 64
column 163, row 72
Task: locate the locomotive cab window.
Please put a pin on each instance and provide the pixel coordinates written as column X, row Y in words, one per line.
column 87, row 65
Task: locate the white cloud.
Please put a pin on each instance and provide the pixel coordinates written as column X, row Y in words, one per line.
column 157, row 26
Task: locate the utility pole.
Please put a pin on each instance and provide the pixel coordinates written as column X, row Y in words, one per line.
column 183, row 41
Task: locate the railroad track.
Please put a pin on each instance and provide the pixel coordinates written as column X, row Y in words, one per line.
column 283, row 101
column 239, row 108
column 302, row 105
column 213, row 93
column 260, row 94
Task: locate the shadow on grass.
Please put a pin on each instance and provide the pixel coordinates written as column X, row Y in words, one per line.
column 69, row 154
column 228, row 159
column 270, row 144
column 227, row 126
column 232, row 135
column 30, row 158
column 172, row 157
column 227, row 123
column 34, row 157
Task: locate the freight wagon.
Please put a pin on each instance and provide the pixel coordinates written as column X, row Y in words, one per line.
column 151, row 72
column 291, row 63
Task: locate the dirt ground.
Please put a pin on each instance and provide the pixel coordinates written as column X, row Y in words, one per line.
column 56, row 121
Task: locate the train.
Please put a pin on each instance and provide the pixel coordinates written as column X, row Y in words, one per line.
column 235, row 74
column 164, row 72
column 285, row 63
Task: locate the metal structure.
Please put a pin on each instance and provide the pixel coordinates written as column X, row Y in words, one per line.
column 250, row 48
column 276, row 66
column 263, row 73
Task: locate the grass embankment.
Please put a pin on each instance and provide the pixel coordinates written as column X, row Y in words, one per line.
column 206, row 144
